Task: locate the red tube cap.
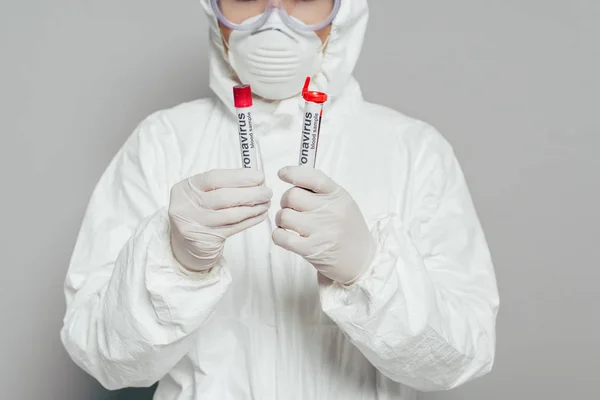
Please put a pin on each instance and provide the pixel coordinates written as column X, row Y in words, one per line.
column 242, row 96
column 312, row 96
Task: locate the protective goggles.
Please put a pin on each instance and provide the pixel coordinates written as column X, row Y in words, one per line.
column 249, row 15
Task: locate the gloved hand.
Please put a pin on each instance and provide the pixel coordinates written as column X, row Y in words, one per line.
column 319, row 221
column 208, row 208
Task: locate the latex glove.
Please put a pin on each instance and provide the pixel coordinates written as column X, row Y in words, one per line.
column 208, row 208
column 319, row 221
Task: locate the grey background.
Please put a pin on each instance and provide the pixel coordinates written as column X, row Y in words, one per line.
column 513, row 84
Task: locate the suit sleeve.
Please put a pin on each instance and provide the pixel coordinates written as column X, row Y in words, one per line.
column 131, row 310
column 424, row 314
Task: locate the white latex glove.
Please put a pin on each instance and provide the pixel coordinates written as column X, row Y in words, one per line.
column 319, row 221
column 208, row 208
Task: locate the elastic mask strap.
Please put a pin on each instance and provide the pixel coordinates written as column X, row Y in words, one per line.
column 226, row 51
column 325, row 42
column 225, row 42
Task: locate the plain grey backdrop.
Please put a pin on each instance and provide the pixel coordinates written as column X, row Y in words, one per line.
column 513, row 84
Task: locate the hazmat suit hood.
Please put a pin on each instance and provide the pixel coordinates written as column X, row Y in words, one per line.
column 335, row 76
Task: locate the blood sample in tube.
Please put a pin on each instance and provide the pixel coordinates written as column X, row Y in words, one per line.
column 311, row 125
column 242, row 98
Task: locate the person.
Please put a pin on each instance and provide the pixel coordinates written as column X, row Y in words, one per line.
column 366, row 277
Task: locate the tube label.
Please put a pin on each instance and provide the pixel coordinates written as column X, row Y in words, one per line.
column 247, row 143
column 309, row 140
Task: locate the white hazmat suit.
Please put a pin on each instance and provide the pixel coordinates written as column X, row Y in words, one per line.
column 263, row 324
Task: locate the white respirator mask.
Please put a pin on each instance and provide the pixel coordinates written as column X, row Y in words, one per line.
column 274, row 59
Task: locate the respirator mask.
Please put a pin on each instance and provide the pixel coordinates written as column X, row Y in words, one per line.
column 273, row 45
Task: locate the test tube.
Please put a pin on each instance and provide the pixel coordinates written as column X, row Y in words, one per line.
column 242, row 99
column 311, row 125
